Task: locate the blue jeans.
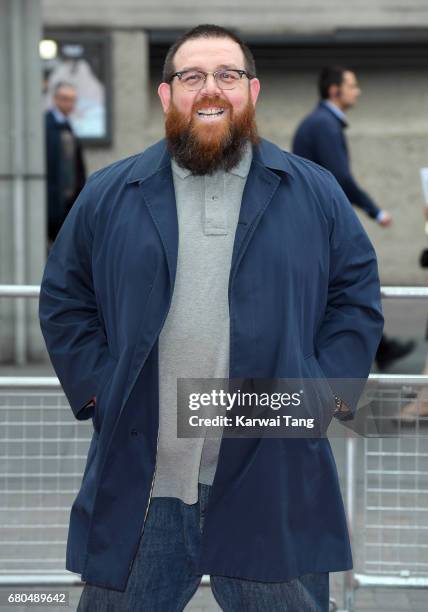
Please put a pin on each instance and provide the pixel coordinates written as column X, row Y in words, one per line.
column 163, row 578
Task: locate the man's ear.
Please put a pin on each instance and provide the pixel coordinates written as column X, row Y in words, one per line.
column 334, row 91
column 164, row 93
column 254, row 90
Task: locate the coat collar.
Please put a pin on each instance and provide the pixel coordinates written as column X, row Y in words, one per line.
column 157, row 157
column 336, row 113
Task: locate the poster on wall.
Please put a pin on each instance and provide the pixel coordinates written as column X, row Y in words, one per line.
column 82, row 60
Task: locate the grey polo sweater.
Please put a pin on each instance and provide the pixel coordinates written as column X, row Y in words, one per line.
column 194, row 342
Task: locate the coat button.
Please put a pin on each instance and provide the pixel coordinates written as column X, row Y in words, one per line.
column 134, row 432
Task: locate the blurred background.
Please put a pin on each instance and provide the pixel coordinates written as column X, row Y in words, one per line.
column 113, row 52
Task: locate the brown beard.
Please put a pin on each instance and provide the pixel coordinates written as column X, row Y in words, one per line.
column 203, row 149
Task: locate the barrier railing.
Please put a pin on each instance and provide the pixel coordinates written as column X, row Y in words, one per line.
column 43, row 451
column 386, row 291
column 387, row 502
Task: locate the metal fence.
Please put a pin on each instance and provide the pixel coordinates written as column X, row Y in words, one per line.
column 43, row 452
column 387, row 491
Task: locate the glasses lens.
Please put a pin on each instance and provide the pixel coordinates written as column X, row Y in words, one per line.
column 193, row 80
column 228, row 79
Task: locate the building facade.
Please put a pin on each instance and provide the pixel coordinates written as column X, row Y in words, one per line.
column 384, row 41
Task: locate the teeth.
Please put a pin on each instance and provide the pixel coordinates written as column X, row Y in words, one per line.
column 211, row 111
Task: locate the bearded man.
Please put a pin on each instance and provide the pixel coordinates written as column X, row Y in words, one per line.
column 212, row 254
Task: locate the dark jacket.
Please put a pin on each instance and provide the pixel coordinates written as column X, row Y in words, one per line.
column 58, row 205
column 320, row 138
column 304, row 301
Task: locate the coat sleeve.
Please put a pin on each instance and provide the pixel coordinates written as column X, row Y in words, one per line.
column 69, row 318
column 352, row 325
column 331, row 154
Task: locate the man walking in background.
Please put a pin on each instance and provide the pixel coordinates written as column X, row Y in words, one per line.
column 64, row 161
column 320, row 137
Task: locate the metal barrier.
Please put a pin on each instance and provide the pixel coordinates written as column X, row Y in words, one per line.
column 17, row 291
column 43, row 452
column 388, row 508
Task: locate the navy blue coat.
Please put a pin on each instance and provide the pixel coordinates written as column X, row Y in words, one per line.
column 320, row 138
column 304, row 301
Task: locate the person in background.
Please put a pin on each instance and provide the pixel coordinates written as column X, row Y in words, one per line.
column 411, row 413
column 64, row 161
column 418, row 408
column 320, row 138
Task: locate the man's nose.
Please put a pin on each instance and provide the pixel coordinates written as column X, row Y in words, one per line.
column 210, row 86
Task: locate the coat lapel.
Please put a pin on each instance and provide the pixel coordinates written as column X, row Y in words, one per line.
column 259, row 190
column 153, row 176
column 159, row 197
column 152, row 171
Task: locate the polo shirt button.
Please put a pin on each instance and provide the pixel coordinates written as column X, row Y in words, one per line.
column 214, row 198
column 134, row 432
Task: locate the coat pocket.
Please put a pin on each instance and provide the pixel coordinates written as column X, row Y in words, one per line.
column 321, row 394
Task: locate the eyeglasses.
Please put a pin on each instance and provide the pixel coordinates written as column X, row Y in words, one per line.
column 193, row 80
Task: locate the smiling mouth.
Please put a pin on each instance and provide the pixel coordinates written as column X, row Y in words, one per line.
column 211, row 112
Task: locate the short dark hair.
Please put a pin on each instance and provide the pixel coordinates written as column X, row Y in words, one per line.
column 206, row 31
column 330, row 75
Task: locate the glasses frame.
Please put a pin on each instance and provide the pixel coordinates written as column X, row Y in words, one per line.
column 241, row 73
